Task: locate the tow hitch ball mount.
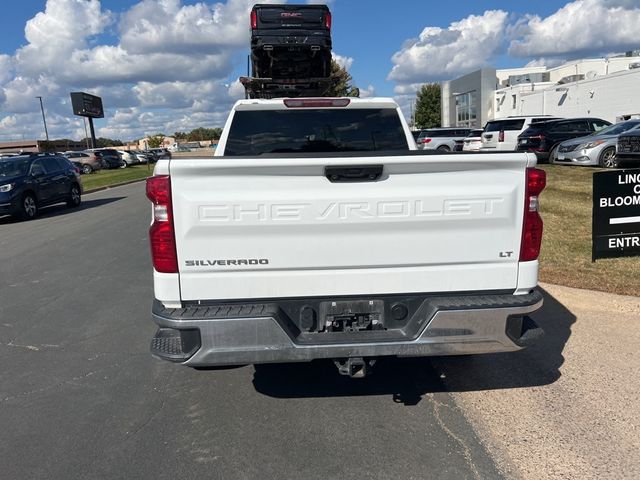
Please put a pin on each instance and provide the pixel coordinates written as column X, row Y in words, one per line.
column 355, row 367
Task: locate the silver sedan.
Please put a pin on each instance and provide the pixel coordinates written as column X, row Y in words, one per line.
column 596, row 149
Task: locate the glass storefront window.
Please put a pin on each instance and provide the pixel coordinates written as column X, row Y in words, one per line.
column 466, row 111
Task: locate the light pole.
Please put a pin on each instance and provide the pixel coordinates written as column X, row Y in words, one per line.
column 44, row 120
column 86, row 135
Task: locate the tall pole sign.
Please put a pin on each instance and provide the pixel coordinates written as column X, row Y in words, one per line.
column 616, row 214
column 89, row 106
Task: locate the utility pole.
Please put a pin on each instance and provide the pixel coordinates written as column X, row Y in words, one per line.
column 44, row 120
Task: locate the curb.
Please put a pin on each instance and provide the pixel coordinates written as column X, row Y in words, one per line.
column 107, row 187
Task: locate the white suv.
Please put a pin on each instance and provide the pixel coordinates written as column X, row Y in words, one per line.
column 443, row 139
column 502, row 134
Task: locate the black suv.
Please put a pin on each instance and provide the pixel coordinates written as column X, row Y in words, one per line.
column 110, row 158
column 543, row 138
column 29, row 182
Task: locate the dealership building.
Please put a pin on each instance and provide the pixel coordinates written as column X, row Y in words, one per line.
column 607, row 88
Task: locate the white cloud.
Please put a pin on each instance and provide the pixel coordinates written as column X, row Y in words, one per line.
column 63, row 28
column 169, row 62
column 582, row 27
column 548, row 62
column 368, row 92
column 440, row 54
column 167, row 26
column 344, row 62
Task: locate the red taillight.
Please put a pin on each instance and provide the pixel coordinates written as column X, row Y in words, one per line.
column 327, row 20
column 501, row 136
column 316, row 102
column 254, row 19
column 426, row 140
column 536, row 180
column 161, row 233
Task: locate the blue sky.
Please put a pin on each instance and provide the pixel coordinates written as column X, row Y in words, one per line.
column 166, row 65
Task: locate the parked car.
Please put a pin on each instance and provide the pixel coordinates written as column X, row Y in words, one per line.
column 442, row 139
column 596, row 149
column 128, row 158
column 151, row 155
column 110, row 158
column 140, row 156
column 544, row 138
column 30, row 182
column 161, row 153
column 473, row 141
column 502, row 134
column 181, row 148
column 88, row 162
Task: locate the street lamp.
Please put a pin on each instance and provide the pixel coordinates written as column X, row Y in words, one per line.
column 44, row 120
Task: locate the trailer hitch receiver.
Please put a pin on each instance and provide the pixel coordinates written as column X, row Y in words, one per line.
column 355, row 367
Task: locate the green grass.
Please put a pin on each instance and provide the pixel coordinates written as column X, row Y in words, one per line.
column 566, row 246
column 103, row 178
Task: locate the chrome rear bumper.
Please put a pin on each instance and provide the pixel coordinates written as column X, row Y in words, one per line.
column 254, row 333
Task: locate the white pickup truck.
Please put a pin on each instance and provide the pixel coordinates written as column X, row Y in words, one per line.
column 318, row 231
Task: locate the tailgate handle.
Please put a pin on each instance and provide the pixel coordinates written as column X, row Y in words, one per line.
column 355, row 173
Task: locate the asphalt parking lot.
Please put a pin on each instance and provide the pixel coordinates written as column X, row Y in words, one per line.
column 81, row 397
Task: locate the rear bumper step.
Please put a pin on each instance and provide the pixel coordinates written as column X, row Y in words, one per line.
column 242, row 333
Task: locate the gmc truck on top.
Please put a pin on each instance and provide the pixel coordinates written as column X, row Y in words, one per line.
column 290, row 51
column 318, row 231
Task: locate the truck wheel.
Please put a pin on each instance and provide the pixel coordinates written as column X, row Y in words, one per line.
column 608, row 158
column 74, row 196
column 28, row 207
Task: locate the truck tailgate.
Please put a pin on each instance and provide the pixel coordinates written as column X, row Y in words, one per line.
column 278, row 227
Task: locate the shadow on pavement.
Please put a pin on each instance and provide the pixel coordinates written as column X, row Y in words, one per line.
column 407, row 380
column 62, row 209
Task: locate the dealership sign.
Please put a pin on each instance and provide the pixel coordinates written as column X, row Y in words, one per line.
column 616, row 214
column 86, row 105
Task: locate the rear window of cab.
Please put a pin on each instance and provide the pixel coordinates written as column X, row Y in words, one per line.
column 259, row 132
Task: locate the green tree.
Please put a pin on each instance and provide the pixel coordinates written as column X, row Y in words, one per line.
column 427, row 113
column 180, row 135
column 155, row 141
column 202, row 134
column 102, row 142
column 341, row 85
